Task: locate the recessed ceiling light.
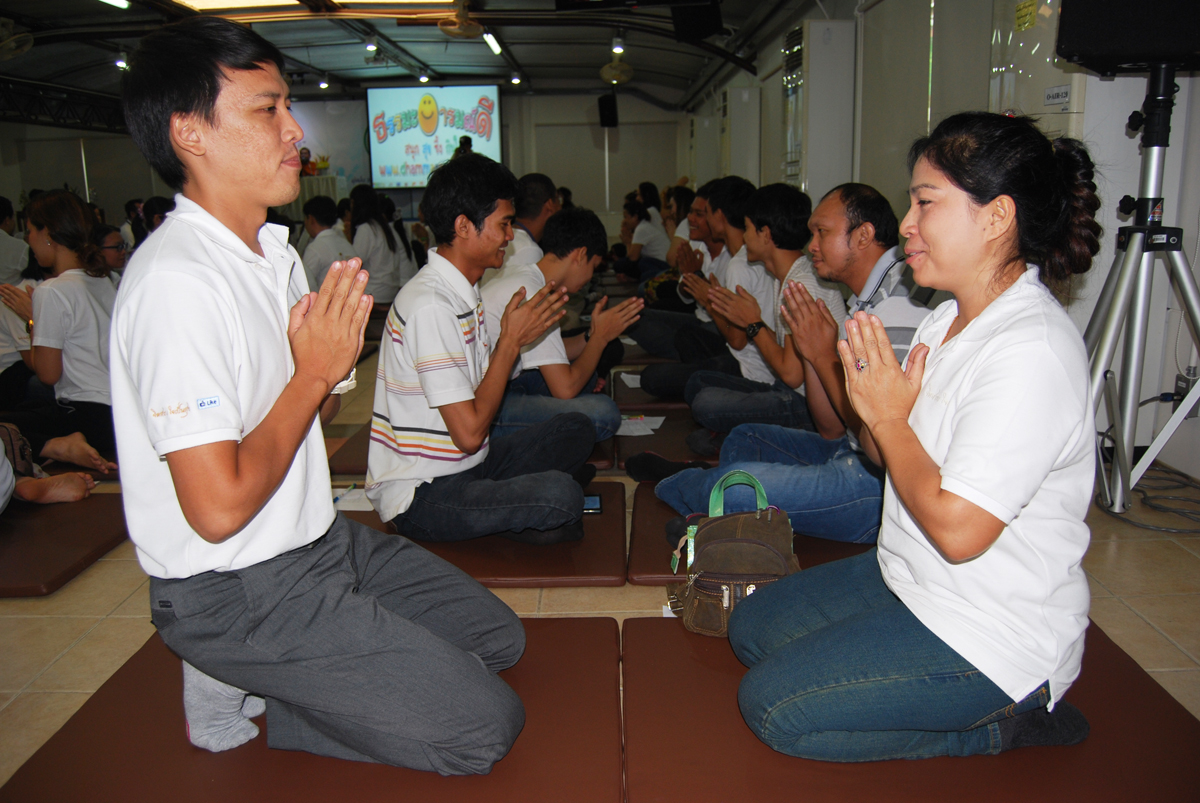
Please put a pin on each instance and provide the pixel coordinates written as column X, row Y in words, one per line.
column 491, row 42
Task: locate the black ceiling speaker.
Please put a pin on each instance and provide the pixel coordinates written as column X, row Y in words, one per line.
column 694, row 23
column 1112, row 36
column 608, row 111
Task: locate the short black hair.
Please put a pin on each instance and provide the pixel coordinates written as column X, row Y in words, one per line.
column 179, row 69
column 470, row 185
column 343, row 208
column 637, row 210
column 707, row 188
column 156, row 205
column 6, row 208
column 865, row 204
column 730, row 196
column 574, row 228
column 131, row 206
column 649, row 194
column 784, row 210
column 533, row 190
column 323, row 209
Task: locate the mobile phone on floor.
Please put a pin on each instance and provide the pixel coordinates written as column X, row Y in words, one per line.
column 591, row 504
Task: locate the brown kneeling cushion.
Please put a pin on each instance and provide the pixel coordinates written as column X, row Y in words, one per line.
column 1143, row 745
column 596, row 560
column 128, row 743
column 669, row 440
column 351, row 458
column 42, row 547
column 650, row 554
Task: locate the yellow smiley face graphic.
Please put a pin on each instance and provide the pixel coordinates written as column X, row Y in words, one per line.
column 427, row 114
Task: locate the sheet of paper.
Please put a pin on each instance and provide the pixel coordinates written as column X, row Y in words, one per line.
column 631, row 380
column 640, row 425
column 628, row 341
column 354, row 499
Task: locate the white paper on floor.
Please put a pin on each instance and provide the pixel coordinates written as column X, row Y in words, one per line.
column 640, row 424
column 628, row 341
column 354, row 499
column 631, row 380
column 668, row 613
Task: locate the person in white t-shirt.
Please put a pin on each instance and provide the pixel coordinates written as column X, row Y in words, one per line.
column 358, row 644
column 328, row 243
column 965, row 627
column 646, row 243
column 68, row 318
column 536, row 201
column 14, row 253
column 383, row 257
column 647, row 195
column 679, row 206
column 556, row 374
column 433, row 470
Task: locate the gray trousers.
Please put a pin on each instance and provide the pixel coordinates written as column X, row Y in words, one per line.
column 365, row 646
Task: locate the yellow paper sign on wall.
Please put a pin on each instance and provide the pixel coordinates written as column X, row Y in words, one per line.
column 1026, row 15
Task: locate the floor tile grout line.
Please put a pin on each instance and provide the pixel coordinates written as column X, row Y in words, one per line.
column 1158, row 630
column 57, row 658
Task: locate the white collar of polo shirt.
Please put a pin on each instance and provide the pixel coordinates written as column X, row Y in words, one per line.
column 272, row 238
column 452, row 276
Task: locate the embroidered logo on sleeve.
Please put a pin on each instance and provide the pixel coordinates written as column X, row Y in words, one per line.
column 210, row 401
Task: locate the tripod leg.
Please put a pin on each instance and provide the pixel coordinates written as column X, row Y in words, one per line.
column 1185, row 286
column 1132, row 359
column 1110, row 332
column 1091, row 335
column 1117, row 496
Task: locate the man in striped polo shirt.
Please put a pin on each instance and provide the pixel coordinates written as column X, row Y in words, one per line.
column 432, row 470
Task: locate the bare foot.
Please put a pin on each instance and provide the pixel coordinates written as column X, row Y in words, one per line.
column 69, row 487
column 75, row 449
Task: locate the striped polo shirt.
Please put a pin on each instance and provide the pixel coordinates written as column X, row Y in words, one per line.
column 434, row 352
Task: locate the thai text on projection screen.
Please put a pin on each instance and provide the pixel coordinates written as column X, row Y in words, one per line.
column 412, row 130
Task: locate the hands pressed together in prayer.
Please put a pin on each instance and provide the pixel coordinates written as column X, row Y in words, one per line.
column 326, row 328
column 881, row 391
column 607, row 324
column 526, row 321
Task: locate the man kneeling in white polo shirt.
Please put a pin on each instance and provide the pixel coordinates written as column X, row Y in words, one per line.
column 431, row 469
column 364, row 645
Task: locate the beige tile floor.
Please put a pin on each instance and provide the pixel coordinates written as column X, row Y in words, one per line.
column 56, row 650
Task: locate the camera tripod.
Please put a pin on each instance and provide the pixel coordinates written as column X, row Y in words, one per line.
column 1125, row 300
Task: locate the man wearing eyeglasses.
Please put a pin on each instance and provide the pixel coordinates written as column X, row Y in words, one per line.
column 112, row 247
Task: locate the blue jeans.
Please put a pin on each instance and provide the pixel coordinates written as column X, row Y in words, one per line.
column 827, row 489
column 841, row 670
column 525, row 482
column 528, row 401
column 721, row 402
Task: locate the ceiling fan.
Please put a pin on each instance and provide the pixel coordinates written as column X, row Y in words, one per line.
column 616, row 71
column 461, row 26
column 11, row 45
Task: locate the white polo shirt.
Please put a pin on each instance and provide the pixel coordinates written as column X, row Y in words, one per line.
column 1005, row 411
column 718, row 267
column 652, row 238
column 327, row 247
column 13, row 337
column 200, row 354
column 434, row 352
column 523, row 250
column 754, row 277
column 14, row 258
column 370, row 244
column 683, row 229
column 73, row 312
column 547, row 349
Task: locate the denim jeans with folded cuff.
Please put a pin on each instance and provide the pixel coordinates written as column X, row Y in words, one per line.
column 528, row 401
column 525, row 482
column 720, row 402
column 827, row 489
column 841, row 670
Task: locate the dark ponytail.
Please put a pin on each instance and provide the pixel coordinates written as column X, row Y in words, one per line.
column 68, row 222
column 988, row 155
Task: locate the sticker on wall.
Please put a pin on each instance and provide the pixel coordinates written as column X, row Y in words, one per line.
column 1026, row 15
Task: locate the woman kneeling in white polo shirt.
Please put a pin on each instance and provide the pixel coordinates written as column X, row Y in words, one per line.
column 961, row 632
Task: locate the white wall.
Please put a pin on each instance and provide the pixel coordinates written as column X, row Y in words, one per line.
column 560, row 135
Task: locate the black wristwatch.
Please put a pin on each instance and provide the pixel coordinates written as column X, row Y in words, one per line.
column 753, row 329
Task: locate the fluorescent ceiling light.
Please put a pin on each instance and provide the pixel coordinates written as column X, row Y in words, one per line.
column 217, row 5
column 117, row 3
column 491, row 42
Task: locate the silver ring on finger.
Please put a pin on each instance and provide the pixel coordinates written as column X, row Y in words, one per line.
column 860, row 364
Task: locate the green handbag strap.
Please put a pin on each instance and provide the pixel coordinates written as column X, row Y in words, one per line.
column 716, row 499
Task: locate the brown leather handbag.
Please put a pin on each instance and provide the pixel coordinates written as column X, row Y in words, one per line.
column 730, row 557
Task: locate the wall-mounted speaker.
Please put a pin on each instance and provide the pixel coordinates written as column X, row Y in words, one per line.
column 608, row 111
